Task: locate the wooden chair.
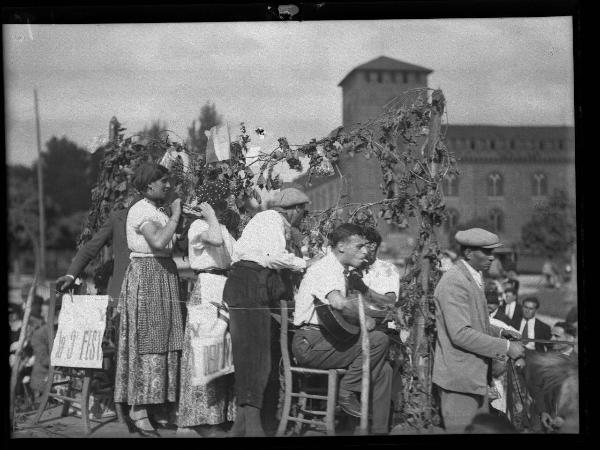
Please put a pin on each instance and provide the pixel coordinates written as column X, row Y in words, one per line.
column 86, row 378
column 326, row 418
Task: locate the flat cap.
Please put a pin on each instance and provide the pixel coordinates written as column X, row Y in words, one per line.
column 477, row 237
column 289, row 197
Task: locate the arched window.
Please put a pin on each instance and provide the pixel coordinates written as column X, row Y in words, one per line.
column 495, row 185
column 451, row 219
column 497, row 220
column 539, row 184
column 450, row 185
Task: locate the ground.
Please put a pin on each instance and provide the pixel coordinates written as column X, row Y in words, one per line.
column 555, row 303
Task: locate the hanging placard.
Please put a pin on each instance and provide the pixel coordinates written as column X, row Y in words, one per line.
column 211, row 355
column 81, row 325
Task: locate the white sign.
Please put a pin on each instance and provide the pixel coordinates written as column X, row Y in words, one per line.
column 211, row 355
column 81, row 325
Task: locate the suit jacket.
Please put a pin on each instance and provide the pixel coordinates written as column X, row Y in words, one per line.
column 112, row 230
column 541, row 330
column 515, row 322
column 465, row 339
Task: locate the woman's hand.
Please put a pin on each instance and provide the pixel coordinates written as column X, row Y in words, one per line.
column 207, row 211
column 176, row 208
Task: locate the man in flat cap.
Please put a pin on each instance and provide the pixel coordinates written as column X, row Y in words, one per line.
column 466, row 342
column 252, row 285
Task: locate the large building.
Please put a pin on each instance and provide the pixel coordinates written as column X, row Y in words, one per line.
column 503, row 171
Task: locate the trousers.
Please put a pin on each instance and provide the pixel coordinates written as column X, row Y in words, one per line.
column 313, row 349
column 459, row 409
column 251, row 350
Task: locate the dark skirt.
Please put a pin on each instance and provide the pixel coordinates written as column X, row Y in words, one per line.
column 150, row 334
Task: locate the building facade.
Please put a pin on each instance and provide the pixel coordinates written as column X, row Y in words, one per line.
column 504, row 172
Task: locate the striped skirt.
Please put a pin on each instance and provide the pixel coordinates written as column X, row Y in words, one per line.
column 150, row 333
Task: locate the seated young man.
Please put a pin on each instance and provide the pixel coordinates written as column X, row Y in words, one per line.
column 314, row 347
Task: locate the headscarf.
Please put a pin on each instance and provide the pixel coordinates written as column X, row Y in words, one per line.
column 213, row 192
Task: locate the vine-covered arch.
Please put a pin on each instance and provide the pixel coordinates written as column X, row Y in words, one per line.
column 407, row 140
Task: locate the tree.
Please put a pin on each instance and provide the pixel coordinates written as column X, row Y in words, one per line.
column 23, row 217
column 552, row 230
column 68, row 176
column 208, row 118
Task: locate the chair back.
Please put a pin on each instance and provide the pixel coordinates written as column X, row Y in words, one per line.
column 283, row 334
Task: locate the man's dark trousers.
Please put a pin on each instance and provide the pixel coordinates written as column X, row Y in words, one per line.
column 313, row 349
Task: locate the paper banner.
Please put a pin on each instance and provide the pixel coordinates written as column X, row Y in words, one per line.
column 81, row 325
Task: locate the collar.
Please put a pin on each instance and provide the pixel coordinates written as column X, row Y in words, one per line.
column 475, row 274
column 336, row 262
column 568, row 351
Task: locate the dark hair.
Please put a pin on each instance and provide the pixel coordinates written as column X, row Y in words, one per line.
column 569, row 328
column 344, row 231
column 147, row 173
column 489, row 423
column 491, row 295
column 532, row 300
column 372, row 235
column 511, row 288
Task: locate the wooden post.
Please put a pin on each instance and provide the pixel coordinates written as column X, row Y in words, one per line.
column 40, row 182
column 17, row 362
column 366, row 368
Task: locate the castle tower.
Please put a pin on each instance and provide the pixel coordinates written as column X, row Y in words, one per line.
column 365, row 90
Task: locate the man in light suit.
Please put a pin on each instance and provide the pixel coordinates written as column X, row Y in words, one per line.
column 466, row 342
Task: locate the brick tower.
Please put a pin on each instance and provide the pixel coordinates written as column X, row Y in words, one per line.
column 365, row 90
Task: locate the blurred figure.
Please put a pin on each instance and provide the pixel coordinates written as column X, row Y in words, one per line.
column 496, row 270
column 563, row 331
column 447, row 260
column 550, row 273
column 533, row 328
column 511, row 309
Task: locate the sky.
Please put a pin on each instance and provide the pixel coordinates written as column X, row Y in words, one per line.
column 281, row 76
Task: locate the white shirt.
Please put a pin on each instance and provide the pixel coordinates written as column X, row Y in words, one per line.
column 140, row 214
column 205, row 256
column 323, row 277
column 263, row 241
column 509, row 309
column 382, row 277
column 531, row 332
column 475, row 274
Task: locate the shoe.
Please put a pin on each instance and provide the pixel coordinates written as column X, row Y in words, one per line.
column 349, row 404
column 166, row 425
column 144, row 433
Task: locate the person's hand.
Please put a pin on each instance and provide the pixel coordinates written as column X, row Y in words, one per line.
column 176, row 208
column 63, row 283
column 515, row 350
column 520, row 363
column 370, row 322
column 511, row 335
column 207, row 211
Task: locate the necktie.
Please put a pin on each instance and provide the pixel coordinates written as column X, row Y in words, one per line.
column 527, row 328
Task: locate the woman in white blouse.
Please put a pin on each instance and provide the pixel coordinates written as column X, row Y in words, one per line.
column 151, row 325
column 202, row 408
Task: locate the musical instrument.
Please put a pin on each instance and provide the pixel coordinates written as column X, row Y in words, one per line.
column 341, row 326
column 334, row 322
